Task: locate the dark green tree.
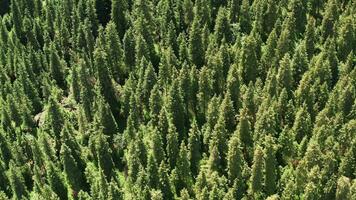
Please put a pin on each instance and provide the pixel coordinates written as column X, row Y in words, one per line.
column 196, row 50
column 257, row 171
column 248, row 60
column 105, row 84
column 270, row 178
column 235, row 161
column 73, row 176
column 104, row 118
column 114, row 53
column 56, row 67
column 222, row 27
column 118, row 10
column 194, row 146
column 16, row 181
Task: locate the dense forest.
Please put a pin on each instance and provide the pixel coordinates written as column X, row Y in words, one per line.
column 177, row 99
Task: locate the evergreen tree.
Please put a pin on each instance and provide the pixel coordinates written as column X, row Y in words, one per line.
column 175, row 107
column 129, row 49
column 55, row 67
column 196, row 50
column 248, row 60
column 56, row 181
column 285, row 76
column 205, row 90
column 309, row 37
column 152, row 172
column 183, row 168
column 327, row 24
column 244, row 18
column 164, row 183
column 194, row 146
column 73, row 176
column 17, row 17
column 222, row 26
column 343, row 188
column 114, row 53
column 104, row 118
column 104, row 81
column 346, row 39
column 257, row 171
column 118, row 9
column 172, row 145
column 102, row 153
column 54, row 119
column 302, row 124
column 227, row 112
column 270, row 166
column 235, row 159
column 155, row 104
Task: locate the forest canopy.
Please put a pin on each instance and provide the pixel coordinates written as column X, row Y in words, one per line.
column 177, row 99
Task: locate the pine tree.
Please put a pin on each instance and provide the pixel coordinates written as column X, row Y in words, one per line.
column 73, row 176
column 220, row 136
column 188, row 11
column 257, row 171
column 104, row 81
column 268, row 59
column 205, row 90
column 346, row 39
column 104, row 118
column 172, row 145
column 244, row 129
column 235, row 159
column 233, row 87
column 329, row 17
column 13, row 110
column 194, row 146
column 234, row 10
column 164, row 183
column 299, row 11
column 227, row 112
column 222, row 27
column 129, row 49
column 302, row 124
column 244, row 18
column 149, row 81
column 17, row 17
column 118, row 9
column 175, row 107
column 152, row 172
column 299, row 63
column 54, row 119
column 196, row 50
column 248, row 60
column 183, row 168
column 56, row 181
column 285, row 42
column 155, row 104
column 285, row 76
column 55, row 67
column 16, row 180
column 215, row 159
column 270, row 166
column 343, row 188
column 133, row 161
column 114, row 53
column 309, row 37
column 102, row 153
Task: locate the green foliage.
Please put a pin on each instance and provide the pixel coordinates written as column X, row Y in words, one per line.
column 203, row 99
